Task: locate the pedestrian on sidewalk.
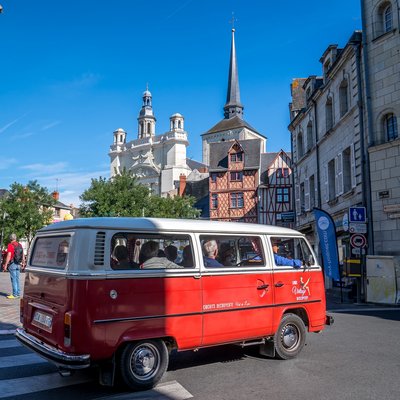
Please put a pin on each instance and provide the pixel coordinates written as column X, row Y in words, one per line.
column 14, row 258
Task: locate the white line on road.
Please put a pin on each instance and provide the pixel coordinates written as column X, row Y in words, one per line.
column 164, row 391
column 19, row 386
column 20, row 360
column 9, row 343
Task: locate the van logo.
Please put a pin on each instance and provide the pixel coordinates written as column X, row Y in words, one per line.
column 301, row 289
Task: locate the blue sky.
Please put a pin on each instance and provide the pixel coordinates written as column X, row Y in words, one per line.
column 74, row 71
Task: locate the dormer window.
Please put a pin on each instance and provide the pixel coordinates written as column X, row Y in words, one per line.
column 237, row 157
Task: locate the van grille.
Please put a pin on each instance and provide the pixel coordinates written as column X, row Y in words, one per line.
column 99, row 248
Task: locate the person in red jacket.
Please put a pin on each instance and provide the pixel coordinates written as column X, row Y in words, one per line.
column 14, row 265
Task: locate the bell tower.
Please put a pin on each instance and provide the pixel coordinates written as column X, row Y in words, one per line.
column 146, row 119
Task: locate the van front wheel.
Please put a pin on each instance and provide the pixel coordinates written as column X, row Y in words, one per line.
column 290, row 337
column 142, row 364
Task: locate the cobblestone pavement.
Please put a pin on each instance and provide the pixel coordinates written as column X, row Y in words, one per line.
column 9, row 309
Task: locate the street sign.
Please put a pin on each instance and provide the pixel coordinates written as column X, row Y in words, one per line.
column 357, row 228
column 358, row 240
column 288, row 216
column 357, row 214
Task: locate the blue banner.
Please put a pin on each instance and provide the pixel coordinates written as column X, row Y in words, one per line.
column 328, row 244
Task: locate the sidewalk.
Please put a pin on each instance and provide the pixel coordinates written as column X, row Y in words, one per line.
column 9, row 309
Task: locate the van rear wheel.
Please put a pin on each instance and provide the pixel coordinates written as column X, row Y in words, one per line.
column 142, row 364
column 290, row 337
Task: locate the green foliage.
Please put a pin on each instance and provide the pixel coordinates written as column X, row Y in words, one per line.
column 26, row 209
column 123, row 196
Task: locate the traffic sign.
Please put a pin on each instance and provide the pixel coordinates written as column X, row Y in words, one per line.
column 357, row 214
column 358, row 240
column 357, row 227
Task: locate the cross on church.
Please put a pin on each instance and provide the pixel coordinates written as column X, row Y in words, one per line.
column 232, row 21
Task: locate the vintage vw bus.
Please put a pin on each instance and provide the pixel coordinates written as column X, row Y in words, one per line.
column 121, row 293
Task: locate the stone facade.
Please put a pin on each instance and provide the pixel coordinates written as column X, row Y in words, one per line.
column 156, row 160
column 327, row 142
column 382, row 36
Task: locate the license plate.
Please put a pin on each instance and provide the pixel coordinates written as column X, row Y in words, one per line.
column 43, row 319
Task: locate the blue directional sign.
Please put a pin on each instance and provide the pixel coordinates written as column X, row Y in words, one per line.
column 357, row 214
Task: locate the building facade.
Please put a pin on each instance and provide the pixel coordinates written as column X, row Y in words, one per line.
column 234, row 178
column 345, row 143
column 275, row 190
column 327, row 141
column 381, row 36
column 156, row 160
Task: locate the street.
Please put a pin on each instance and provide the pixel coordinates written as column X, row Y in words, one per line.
column 356, row 358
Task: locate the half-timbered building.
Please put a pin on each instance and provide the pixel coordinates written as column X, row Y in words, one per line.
column 275, row 190
column 234, row 178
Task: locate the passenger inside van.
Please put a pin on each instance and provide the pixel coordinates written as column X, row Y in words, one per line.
column 150, row 259
column 122, row 256
column 187, row 257
column 226, row 254
column 280, row 259
column 210, row 253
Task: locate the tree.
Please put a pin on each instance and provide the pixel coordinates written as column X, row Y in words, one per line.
column 26, row 209
column 123, row 196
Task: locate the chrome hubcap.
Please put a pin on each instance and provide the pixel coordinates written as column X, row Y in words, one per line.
column 290, row 336
column 145, row 361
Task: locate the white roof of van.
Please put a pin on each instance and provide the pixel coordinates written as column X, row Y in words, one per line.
column 167, row 224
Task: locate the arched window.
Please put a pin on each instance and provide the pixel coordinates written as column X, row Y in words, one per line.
column 148, row 127
column 300, row 145
column 343, row 97
column 310, row 140
column 390, row 127
column 179, row 125
column 387, row 18
column 329, row 113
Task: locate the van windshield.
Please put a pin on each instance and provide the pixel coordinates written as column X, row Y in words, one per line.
column 51, row 252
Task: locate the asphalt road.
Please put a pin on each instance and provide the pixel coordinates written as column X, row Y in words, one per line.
column 357, row 358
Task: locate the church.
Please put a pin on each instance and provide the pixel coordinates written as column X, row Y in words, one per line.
column 157, row 161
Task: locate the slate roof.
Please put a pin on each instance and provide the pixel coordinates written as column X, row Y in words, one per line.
column 231, row 123
column 219, row 154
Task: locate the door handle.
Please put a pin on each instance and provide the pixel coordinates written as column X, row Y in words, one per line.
column 279, row 284
column 261, row 287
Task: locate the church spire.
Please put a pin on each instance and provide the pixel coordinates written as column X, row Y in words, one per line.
column 233, row 107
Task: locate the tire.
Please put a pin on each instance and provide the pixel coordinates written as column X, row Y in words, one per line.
column 142, row 364
column 290, row 337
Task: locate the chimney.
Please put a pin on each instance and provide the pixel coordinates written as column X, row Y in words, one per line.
column 56, row 195
column 182, row 184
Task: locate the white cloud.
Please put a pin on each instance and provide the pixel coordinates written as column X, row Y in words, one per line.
column 50, row 125
column 6, row 163
column 45, row 168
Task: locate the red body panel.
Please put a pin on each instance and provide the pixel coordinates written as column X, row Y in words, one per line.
column 195, row 311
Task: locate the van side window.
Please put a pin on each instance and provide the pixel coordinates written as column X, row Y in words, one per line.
column 291, row 252
column 131, row 250
column 231, row 251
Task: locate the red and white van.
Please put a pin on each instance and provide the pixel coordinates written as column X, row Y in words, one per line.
column 121, row 293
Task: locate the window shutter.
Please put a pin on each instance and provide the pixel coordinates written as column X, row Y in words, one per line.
column 298, row 203
column 307, row 194
column 339, row 177
column 353, row 166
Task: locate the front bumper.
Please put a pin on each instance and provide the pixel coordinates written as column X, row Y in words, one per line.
column 58, row 357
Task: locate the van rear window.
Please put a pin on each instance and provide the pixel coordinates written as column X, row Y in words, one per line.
column 51, row 252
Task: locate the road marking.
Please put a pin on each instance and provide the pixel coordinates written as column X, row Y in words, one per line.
column 367, row 309
column 20, row 360
column 9, row 344
column 164, row 391
column 19, row 386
